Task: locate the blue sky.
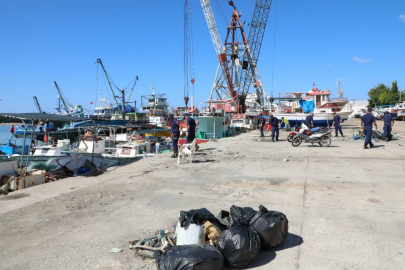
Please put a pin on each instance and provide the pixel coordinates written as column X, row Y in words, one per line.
column 360, row 42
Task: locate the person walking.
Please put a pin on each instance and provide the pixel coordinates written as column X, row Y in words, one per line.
column 273, row 121
column 309, row 120
column 337, row 120
column 262, row 123
column 388, row 124
column 367, row 122
column 191, row 125
column 175, row 130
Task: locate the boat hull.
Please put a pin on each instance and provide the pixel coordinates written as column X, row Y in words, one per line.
column 320, row 119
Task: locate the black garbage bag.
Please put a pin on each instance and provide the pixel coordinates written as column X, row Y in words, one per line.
column 189, row 257
column 198, row 217
column 224, row 220
column 242, row 215
column 239, row 244
column 272, row 226
column 378, row 135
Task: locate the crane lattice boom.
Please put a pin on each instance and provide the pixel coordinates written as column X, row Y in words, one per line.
column 219, row 48
column 212, row 26
column 255, row 40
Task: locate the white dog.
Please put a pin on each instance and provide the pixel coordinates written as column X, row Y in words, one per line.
column 183, row 151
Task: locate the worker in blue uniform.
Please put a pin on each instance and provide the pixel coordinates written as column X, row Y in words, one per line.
column 367, row 122
column 337, row 120
column 388, row 124
column 273, row 121
column 175, row 130
column 191, row 126
column 262, row 123
column 309, row 120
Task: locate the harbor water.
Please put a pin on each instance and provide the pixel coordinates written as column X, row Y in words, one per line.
column 5, row 135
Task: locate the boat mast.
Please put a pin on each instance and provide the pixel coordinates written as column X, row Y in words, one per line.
column 112, row 90
column 37, row 104
column 61, row 98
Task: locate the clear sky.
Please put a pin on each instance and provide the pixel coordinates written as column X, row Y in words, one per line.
column 360, row 42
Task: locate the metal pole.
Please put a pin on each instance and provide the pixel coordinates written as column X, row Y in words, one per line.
column 123, row 104
column 29, row 148
column 214, row 128
column 94, row 144
column 23, row 146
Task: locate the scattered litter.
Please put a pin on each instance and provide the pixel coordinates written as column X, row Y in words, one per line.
column 202, row 241
column 116, row 250
column 212, row 232
column 374, row 200
column 286, row 159
column 191, row 234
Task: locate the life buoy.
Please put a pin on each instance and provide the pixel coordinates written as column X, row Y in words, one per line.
column 238, row 116
column 191, row 109
column 149, row 113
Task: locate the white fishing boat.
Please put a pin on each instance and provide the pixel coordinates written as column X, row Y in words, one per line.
column 157, row 108
column 52, row 150
column 90, row 145
column 105, row 110
column 293, row 106
column 136, row 149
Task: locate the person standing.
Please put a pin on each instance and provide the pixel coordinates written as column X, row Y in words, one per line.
column 367, row 122
column 286, row 122
column 191, row 125
column 33, row 145
column 337, row 120
column 388, row 124
column 273, row 121
column 309, row 120
column 262, row 123
column 175, row 130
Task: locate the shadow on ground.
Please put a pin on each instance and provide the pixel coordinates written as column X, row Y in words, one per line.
column 203, row 161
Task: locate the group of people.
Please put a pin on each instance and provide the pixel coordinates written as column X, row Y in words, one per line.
column 191, row 126
column 274, row 123
column 367, row 122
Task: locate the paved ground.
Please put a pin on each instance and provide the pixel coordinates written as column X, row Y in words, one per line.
column 345, row 205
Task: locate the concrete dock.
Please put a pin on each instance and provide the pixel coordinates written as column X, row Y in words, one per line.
column 345, row 205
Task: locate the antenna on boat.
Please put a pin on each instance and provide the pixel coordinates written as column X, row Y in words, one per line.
column 339, row 86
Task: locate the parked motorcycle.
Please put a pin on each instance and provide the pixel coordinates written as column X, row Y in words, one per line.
column 293, row 133
column 323, row 137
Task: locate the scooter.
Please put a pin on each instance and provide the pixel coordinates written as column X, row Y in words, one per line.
column 323, row 137
column 293, row 133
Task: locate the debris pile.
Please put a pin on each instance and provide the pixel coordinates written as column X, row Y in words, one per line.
column 376, row 135
column 202, row 241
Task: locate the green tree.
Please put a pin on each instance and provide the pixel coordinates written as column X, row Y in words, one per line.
column 382, row 95
column 385, row 97
column 375, row 93
column 394, row 87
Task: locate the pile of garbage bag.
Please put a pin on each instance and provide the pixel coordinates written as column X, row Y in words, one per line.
column 204, row 241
